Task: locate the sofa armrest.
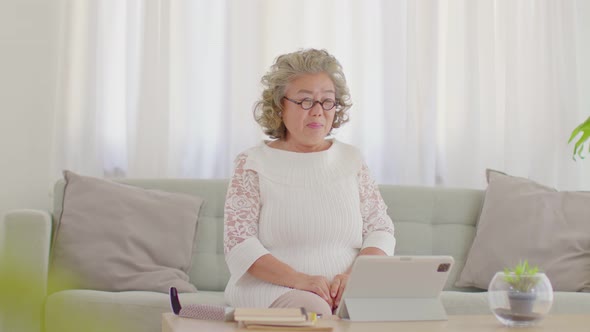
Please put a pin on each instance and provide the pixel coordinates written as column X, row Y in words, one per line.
column 25, row 250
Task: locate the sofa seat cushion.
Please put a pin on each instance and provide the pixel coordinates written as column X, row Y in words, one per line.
column 476, row 303
column 465, row 303
column 85, row 310
column 570, row 303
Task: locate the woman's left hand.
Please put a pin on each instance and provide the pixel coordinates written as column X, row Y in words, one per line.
column 337, row 288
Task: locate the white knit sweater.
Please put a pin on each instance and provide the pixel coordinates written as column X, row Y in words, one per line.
column 314, row 211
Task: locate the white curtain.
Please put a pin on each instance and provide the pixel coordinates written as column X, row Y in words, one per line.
column 442, row 90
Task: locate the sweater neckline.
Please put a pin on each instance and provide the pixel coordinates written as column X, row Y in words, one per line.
column 294, row 153
column 304, row 169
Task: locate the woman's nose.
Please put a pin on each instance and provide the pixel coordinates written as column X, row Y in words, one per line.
column 316, row 109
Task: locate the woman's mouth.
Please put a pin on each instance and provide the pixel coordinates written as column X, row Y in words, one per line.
column 315, row 125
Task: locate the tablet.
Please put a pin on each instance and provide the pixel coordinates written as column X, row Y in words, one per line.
column 393, row 288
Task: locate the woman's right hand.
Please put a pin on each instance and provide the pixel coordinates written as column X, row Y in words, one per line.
column 270, row 269
column 315, row 284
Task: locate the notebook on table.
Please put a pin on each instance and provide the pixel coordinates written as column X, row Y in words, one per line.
column 395, row 288
column 260, row 318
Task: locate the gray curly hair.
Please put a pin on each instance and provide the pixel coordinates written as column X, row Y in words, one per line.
column 267, row 110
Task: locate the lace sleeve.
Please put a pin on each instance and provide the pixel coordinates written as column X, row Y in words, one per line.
column 373, row 209
column 242, row 206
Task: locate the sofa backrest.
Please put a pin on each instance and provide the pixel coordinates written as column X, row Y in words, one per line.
column 434, row 221
column 427, row 220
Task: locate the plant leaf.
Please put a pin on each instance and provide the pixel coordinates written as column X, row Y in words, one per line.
column 583, row 128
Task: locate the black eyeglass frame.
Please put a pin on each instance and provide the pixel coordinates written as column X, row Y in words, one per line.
column 300, row 103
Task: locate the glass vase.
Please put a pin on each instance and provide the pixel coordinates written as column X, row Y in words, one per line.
column 520, row 304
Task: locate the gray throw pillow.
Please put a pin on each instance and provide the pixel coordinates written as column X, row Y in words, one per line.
column 522, row 219
column 116, row 237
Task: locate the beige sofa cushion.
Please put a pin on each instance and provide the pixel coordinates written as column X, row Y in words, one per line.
column 116, row 237
column 522, row 219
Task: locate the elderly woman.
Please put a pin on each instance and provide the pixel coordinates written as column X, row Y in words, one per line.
column 301, row 207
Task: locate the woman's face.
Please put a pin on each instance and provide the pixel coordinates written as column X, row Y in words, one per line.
column 308, row 127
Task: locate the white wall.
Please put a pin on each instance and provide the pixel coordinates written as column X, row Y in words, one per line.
column 27, row 71
column 583, row 49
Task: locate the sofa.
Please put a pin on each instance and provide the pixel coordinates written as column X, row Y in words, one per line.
column 428, row 221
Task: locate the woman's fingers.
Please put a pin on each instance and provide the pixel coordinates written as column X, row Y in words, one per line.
column 318, row 285
column 327, row 297
column 337, row 289
column 324, row 290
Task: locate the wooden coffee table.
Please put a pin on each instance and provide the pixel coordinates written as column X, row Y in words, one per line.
column 479, row 323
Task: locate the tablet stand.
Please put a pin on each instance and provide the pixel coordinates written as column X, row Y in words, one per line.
column 393, row 309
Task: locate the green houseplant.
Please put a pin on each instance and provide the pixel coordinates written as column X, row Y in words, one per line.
column 583, row 128
column 522, row 278
column 520, row 296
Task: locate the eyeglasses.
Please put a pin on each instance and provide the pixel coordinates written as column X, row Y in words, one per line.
column 309, row 103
